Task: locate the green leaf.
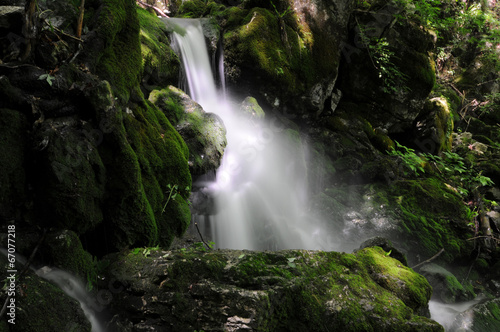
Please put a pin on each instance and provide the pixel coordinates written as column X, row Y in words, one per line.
column 241, row 256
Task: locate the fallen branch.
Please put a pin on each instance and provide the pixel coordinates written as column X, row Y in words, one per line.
column 156, row 9
column 430, row 259
column 201, row 237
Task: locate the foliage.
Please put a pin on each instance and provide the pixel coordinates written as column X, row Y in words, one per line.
column 172, row 194
column 409, row 158
column 382, row 58
column 46, row 77
column 449, row 166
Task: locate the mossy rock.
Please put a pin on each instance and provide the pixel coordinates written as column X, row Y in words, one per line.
column 445, row 285
column 159, row 62
column 282, row 53
column 113, row 48
column 395, row 90
column 13, row 144
column 42, row 306
column 434, row 127
column 144, row 155
column 431, row 217
column 289, row 290
column 70, row 176
column 204, row 133
column 250, row 106
column 66, row 252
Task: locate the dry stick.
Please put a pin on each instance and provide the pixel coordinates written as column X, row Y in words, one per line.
column 80, row 20
column 430, row 259
column 25, row 268
column 201, row 237
column 156, row 9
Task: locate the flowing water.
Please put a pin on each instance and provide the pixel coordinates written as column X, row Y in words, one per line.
column 260, row 188
column 71, row 286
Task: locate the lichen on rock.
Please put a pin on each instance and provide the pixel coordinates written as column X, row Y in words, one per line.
column 271, row 291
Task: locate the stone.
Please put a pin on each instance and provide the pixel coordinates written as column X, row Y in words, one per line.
column 203, row 132
column 446, row 287
column 290, row 290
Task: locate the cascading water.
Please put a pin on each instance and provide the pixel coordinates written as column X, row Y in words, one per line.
column 260, row 186
column 70, row 285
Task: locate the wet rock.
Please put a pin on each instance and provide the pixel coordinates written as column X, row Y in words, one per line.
column 250, row 106
column 286, row 290
column 484, row 316
column 445, row 285
column 203, row 132
column 434, row 127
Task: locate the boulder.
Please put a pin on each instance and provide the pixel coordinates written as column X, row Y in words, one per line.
column 387, row 69
column 286, row 52
column 204, row 133
column 434, row 127
column 293, row 290
column 446, row 287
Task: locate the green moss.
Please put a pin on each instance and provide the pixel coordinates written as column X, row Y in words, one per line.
column 159, row 62
column 278, row 49
column 432, row 215
column 192, row 9
column 120, row 61
column 292, row 290
column 67, row 253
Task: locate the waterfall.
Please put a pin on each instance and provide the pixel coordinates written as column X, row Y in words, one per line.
column 260, row 187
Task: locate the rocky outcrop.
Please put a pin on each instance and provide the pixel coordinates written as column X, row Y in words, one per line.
column 82, row 150
column 286, row 53
column 386, row 69
column 204, row 133
column 294, row 290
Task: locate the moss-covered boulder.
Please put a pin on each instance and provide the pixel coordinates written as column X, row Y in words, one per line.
column 434, row 126
column 66, row 253
column 101, row 157
column 159, row 62
column 204, row 133
column 40, row 305
column 284, row 52
column 387, row 69
column 446, row 287
column 293, row 290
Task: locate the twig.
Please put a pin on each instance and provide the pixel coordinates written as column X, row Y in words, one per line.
column 80, row 20
column 201, row 236
column 430, row 259
column 484, row 236
column 63, row 33
column 156, row 9
column 23, row 271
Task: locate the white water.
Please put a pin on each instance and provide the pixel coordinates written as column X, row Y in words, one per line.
column 449, row 315
column 260, row 187
column 71, row 286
